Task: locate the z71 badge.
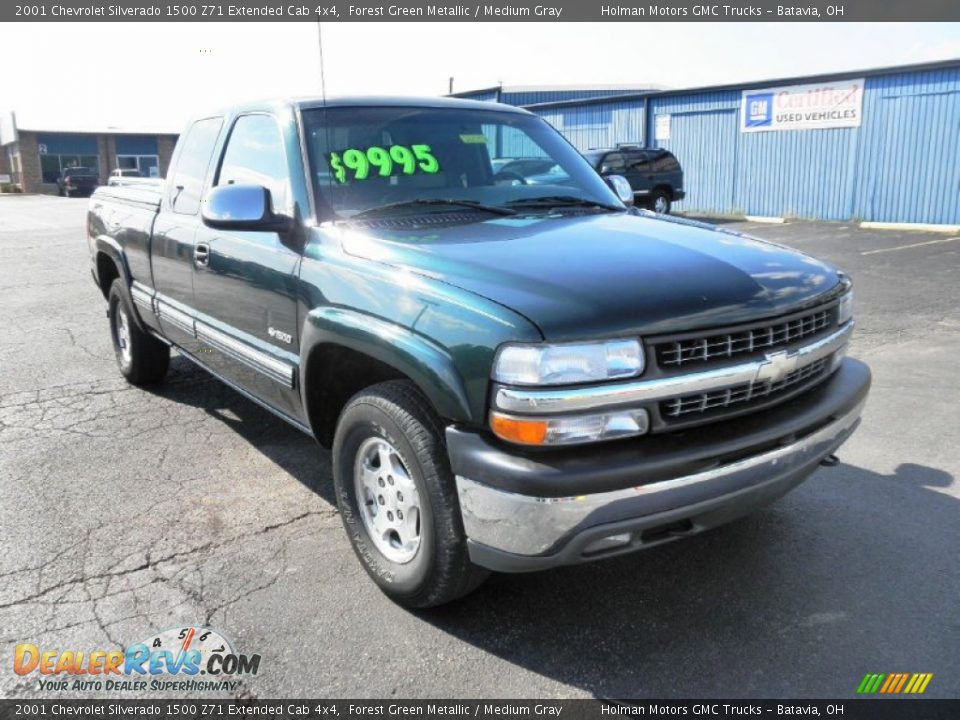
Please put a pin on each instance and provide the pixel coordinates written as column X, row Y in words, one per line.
column 280, row 335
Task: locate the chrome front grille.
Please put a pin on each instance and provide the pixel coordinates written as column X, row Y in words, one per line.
column 722, row 346
column 692, row 405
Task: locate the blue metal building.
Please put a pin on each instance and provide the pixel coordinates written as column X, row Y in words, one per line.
column 899, row 163
column 523, row 95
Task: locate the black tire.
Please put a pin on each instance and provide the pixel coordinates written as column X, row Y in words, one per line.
column 148, row 358
column 440, row 570
column 660, row 198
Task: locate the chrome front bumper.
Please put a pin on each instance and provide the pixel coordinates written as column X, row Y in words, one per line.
column 511, row 531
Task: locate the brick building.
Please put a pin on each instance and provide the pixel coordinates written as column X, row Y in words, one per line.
column 34, row 159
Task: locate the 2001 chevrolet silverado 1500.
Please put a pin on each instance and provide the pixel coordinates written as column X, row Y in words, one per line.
column 511, row 375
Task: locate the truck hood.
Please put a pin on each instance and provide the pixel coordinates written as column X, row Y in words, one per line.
column 605, row 275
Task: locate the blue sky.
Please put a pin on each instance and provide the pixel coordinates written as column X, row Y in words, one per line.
column 159, row 74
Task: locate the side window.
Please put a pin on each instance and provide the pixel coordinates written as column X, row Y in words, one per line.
column 613, row 163
column 667, row 163
column 186, row 183
column 639, row 161
column 255, row 156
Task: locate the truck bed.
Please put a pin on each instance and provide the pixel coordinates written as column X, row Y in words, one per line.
column 145, row 193
column 122, row 216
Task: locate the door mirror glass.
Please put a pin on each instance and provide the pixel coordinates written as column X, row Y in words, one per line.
column 620, row 185
column 242, row 207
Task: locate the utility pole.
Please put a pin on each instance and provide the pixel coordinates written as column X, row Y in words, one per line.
column 450, row 90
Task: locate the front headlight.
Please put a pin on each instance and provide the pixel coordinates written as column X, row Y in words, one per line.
column 568, row 363
column 845, row 309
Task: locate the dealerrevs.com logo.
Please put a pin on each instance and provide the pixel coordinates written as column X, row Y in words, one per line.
column 174, row 659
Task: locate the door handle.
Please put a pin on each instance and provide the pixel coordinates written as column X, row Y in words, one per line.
column 201, row 254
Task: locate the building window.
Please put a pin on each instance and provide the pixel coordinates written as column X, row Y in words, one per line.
column 61, row 151
column 52, row 166
column 147, row 165
column 138, row 153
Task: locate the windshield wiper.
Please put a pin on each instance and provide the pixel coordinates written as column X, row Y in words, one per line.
column 472, row 204
column 557, row 201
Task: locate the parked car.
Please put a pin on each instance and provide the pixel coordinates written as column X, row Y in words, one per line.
column 77, row 180
column 654, row 173
column 510, row 376
column 126, row 176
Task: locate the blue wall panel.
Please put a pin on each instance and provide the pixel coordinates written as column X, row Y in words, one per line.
column 704, row 136
column 598, row 125
column 136, row 145
column 705, row 143
column 908, row 167
column 68, row 144
column 482, row 95
column 531, row 97
column 805, row 174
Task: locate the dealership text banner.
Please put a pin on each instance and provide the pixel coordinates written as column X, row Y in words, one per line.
column 397, row 709
column 521, row 10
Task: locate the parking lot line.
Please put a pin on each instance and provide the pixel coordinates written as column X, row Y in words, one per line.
column 911, row 245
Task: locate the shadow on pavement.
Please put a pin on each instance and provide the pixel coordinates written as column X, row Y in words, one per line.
column 850, row 570
column 853, row 571
column 290, row 449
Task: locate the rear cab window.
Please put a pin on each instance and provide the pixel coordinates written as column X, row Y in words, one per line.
column 186, row 182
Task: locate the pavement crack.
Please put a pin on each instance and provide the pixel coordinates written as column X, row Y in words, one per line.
column 150, row 563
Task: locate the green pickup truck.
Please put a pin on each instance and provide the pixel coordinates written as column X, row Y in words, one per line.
column 511, row 374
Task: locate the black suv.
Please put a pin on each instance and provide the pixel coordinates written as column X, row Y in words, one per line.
column 77, row 180
column 654, row 173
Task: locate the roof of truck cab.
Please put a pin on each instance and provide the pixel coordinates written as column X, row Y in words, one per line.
column 311, row 103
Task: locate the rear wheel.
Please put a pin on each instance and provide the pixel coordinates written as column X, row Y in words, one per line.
column 397, row 497
column 660, row 202
column 141, row 357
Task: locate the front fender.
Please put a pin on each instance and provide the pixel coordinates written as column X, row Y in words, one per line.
column 425, row 363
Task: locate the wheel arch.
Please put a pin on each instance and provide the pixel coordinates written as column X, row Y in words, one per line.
column 110, row 264
column 344, row 351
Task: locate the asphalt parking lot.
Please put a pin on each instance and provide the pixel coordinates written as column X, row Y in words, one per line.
column 126, row 512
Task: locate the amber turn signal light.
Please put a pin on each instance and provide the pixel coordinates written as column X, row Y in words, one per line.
column 528, row 432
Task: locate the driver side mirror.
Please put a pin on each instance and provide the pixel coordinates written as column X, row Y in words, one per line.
column 242, row 207
column 621, row 186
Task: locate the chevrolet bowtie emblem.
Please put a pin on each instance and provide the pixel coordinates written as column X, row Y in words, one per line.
column 777, row 366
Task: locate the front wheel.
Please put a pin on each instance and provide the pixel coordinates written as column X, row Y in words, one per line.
column 397, row 497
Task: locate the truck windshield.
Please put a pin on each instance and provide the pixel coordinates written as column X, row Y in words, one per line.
column 390, row 161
